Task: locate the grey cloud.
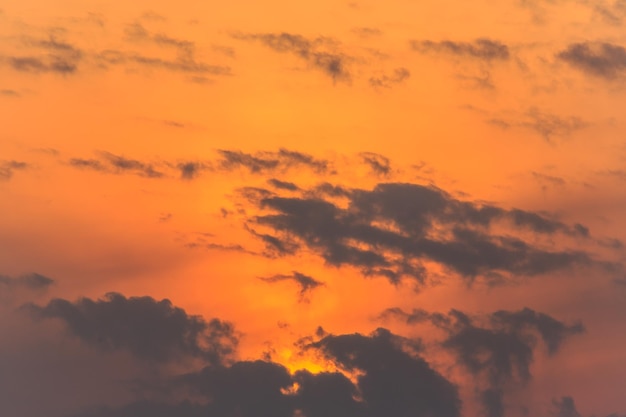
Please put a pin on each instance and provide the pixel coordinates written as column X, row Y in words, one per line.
column 392, row 382
column 93, row 164
column 283, row 185
column 482, row 49
column 116, row 164
column 565, row 407
column 498, row 348
column 546, row 124
column 61, row 58
column 186, row 60
column 315, row 52
column 191, row 170
column 122, row 164
column 152, row 330
column 260, row 162
column 399, row 75
column 306, row 283
column 387, row 232
column 8, row 168
column 30, row 281
column 604, row 60
column 379, row 164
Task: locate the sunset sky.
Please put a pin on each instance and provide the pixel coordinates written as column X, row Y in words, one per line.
column 312, row 209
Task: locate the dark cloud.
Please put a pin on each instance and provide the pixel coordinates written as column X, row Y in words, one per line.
column 185, row 64
column 565, row 407
column 545, row 124
column 318, row 53
column 270, row 161
column 379, row 164
column 121, row 164
column 8, row 168
column 389, row 230
column 186, row 55
column 306, row 283
column 150, row 329
column 398, row 76
column 482, row 49
column 59, row 57
column 92, row 164
column 30, row 281
column 391, row 381
column 498, row 349
column 117, row 164
column 191, row 170
column 283, row 185
column 604, row 60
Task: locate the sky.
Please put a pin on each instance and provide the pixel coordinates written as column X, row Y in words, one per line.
column 312, row 209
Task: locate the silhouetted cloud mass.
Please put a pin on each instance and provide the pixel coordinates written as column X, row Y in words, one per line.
column 390, row 230
column 496, row 350
column 152, row 330
column 604, row 60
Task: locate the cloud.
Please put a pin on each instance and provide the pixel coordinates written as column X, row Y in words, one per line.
column 8, row 168
column 9, row 93
column 283, row 185
column 387, row 81
column 152, row 330
column 393, row 228
column 498, row 349
column 480, row 49
column 604, row 60
column 390, row 380
column 116, row 164
column 191, row 170
column 30, row 281
column 318, row 52
column 546, row 124
column 379, row 164
column 60, row 57
column 565, row 407
column 306, row 283
column 260, row 162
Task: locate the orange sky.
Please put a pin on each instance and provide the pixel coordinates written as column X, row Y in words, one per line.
column 115, row 176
